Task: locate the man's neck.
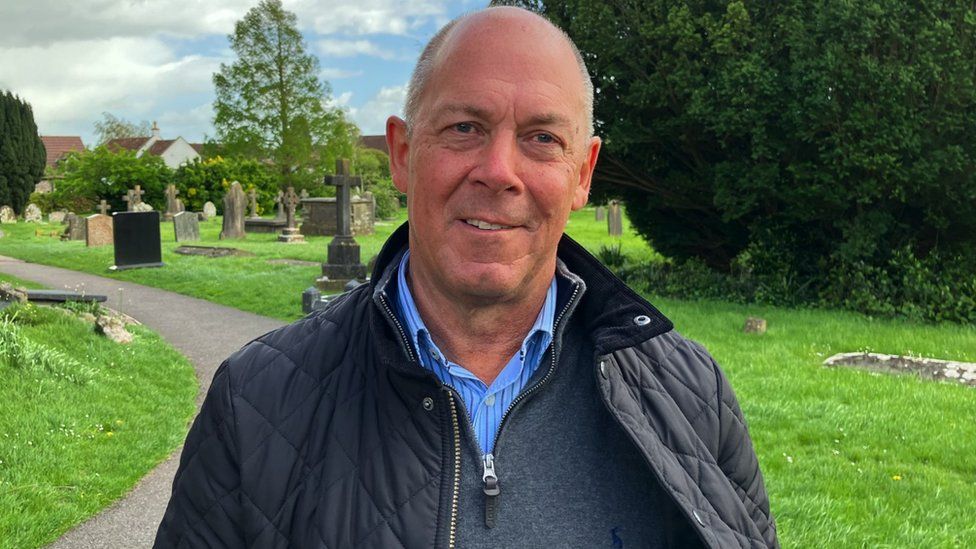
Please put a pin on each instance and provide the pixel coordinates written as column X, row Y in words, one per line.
column 482, row 337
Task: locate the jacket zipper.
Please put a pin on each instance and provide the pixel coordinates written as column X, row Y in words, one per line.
column 455, row 495
column 489, row 473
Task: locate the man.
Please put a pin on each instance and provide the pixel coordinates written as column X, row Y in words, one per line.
column 493, row 385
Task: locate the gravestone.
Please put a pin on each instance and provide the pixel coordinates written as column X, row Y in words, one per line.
column 754, row 325
column 137, row 242
column 142, row 207
column 279, row 202
column 186, row 226
column 319, row 216
column 615, row 219
column 103, row 207
column 57, row 216
column 7, row 215
column 290, row 233
column 209, row 210
column 98, row 230
column 343, row 259
column 76, row 228
column 172, row 203
column 32, row 214
column 252, row 196
column 234, row 203
column 601, row 213
column 133, row 197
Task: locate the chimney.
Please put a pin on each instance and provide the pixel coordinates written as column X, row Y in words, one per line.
column 155, row 130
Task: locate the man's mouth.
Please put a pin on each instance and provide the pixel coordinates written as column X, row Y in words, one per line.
column 485, row 225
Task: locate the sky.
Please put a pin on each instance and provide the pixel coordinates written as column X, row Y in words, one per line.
column 153, row 60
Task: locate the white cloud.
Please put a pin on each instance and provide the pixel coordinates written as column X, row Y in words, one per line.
column 331, row 73
column 350, row 48
column 396, row 17
column 371, row 116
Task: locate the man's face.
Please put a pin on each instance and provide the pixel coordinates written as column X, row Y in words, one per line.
column 496, row 160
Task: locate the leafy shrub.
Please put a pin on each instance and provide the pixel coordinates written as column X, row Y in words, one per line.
column 208, row 180
column 373, row 167
column 89, row 176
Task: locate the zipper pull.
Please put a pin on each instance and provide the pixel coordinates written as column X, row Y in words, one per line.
column 491, row 490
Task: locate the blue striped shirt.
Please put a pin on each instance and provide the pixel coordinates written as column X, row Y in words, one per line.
column 486, row 405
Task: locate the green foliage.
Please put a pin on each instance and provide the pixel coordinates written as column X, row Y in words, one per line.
column 208, row 180
column 18, row 351
column 22, row 154
column 271, row 104
column 89, row 176
column 112, row 127
column 373, row 167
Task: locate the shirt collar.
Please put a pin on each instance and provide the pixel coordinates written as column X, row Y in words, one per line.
column 420, row 335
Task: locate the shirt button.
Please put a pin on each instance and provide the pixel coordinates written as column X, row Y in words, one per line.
column 490, row 400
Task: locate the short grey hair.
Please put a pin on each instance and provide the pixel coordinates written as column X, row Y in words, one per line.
column 427, row 61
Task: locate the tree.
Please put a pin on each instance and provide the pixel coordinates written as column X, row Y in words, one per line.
column 794, row 136
column 89, row 176
column 270, row 102
column 112, row 127
column 22, row 154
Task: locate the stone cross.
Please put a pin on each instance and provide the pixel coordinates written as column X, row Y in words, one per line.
column 129, row 201
column 172, row 205
column 137, row 194
column 290, row 201
column 304, row 194
column 103, row 207
column 279, row 202
column 343, row 182
column 253, row 196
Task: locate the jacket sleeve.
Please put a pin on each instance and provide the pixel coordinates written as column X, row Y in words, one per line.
column 737, row 459
column 204, row 509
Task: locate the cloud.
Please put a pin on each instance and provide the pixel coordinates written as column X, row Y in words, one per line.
column 371, row 116
column 331, row 73
column 358, row 17
column 331, row 47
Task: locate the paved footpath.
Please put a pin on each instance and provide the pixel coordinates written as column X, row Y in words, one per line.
column 204, row 332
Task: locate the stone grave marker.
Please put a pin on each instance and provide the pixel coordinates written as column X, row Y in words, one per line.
column 601, row 213
column 234, row 203
column 615, row 219
column 32, row 214
column 186, row 226
column 279, row 202
column 137, row 242
column 98, row 230
column 209, row 209
column 103, row 207
column 172, row 203
column 7, row 215
column 252, row 196
column 75, row 229
column 133, row 197
column 57, row 216
column 142, row 207
column 344, row 256
column 290, row 232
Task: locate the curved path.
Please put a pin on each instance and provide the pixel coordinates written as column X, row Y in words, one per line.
column 204, row 332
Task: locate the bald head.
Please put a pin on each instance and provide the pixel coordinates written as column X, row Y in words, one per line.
column 467, row 27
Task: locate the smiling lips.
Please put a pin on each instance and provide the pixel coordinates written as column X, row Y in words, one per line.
column 485, row 225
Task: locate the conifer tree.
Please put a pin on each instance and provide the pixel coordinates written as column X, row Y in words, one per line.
column 22, row 154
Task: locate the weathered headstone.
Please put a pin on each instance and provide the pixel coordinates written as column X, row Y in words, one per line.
column 601, row 213
column 98, row 230
column 615, row 219
column 32, row 214
column 75, row 229
column 133, row 197
column 209, row 209
column 142, row 207
column 137, row 242
column 290, row 232
column 252, row 196
column 343, row 259
column 57, row 216
column 279, row 202
column 7, row 215
column 172, row 203
column 754, row 325
column 103, row 207
column 186, row 226
column 234, row 203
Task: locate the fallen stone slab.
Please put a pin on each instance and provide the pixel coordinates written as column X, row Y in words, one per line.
column 928, row 368
column 211, row 251
column 60, row 296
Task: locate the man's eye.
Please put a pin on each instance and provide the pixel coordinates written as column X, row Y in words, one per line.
column 544, row 138
column 464, row 127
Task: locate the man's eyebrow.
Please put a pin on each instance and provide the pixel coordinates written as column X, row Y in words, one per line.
column 463, row 108
column 550, row 119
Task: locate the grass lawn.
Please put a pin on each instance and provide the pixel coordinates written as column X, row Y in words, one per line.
column 83, row 419
column 851, row 459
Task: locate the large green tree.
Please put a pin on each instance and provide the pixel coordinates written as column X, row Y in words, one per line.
column 793, row 134
column 22, row 154
column 271, row 103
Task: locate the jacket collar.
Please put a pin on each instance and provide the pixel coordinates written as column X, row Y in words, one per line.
column 615, row 315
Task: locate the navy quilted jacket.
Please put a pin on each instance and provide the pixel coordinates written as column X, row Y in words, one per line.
column 324, row 433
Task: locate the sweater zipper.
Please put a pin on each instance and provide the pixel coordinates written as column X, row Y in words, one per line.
column 455, row 495
column 489, row 475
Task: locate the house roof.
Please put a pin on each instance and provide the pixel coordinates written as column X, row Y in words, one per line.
column 160, row 146
column 377, row 142
column 126, row 143
column 58, row 145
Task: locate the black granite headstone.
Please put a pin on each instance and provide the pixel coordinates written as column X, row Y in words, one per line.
column 137, row 242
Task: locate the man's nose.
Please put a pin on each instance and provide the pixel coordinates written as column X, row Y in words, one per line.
column 497, row 166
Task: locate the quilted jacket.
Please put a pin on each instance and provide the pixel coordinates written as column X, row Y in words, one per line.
column 327, row 433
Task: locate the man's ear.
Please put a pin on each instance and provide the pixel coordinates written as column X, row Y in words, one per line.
column 582, row 194
column 399, row 145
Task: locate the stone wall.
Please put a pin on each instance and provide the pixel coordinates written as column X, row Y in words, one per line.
column 319, row 216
